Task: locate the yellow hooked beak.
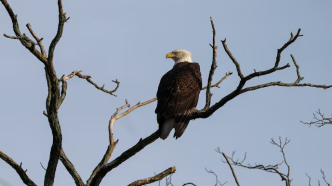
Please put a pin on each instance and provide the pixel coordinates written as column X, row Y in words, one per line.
column 170, row 55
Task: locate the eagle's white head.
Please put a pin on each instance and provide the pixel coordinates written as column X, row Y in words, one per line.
column 179, row 56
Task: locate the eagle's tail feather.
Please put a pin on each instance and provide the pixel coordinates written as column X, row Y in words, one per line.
column 166, row 128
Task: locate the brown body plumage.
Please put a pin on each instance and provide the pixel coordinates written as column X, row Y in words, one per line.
column 177, row 96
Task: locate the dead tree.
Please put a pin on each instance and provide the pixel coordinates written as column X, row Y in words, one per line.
column 57, row 88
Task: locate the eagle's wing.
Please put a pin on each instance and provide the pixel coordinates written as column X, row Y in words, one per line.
column 178, row 94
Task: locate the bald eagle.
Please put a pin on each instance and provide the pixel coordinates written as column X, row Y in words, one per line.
column 178, row 94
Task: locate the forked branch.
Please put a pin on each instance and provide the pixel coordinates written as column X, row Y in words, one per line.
column 25, row 40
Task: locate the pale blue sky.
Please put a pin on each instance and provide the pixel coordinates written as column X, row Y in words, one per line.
column 128, row 41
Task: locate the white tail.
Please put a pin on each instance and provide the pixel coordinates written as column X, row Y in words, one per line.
column 166, row 128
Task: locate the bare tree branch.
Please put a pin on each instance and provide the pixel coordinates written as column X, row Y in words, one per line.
column 324, row 177
column 67, row 163
column 282, row 146
column 189, row 183
column 62, row 20
column 112, row 144
column 123, row 157
column 309, row 179
column 155, row 178
column 239, row 90
column 42, row 166
column 18, row 169
column 98, row 87
column 169, row 181
column 71, row 169
column 213, row 68
column 42, row 50
column 217, row 181
column 26, row 42
column 237, row 65
column 233, row 172
column 319, row 122
column 269, row 168
column 54, row 101
column 222, row 79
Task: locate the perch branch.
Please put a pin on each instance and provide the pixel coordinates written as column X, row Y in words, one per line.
column 87, row 78
column 123, row 157
column 155, row 178
column 18, row 168
column 319, row 122
column 148, row 140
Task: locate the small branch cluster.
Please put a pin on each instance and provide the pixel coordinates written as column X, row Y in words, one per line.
column 319, row 122
column 268, row 168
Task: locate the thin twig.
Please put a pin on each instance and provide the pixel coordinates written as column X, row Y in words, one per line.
column 324, row 177
column 42, row 166
column 309, row 179
column 218, row 83
column 87, row 78
column 37, row 39
column 217, row 180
